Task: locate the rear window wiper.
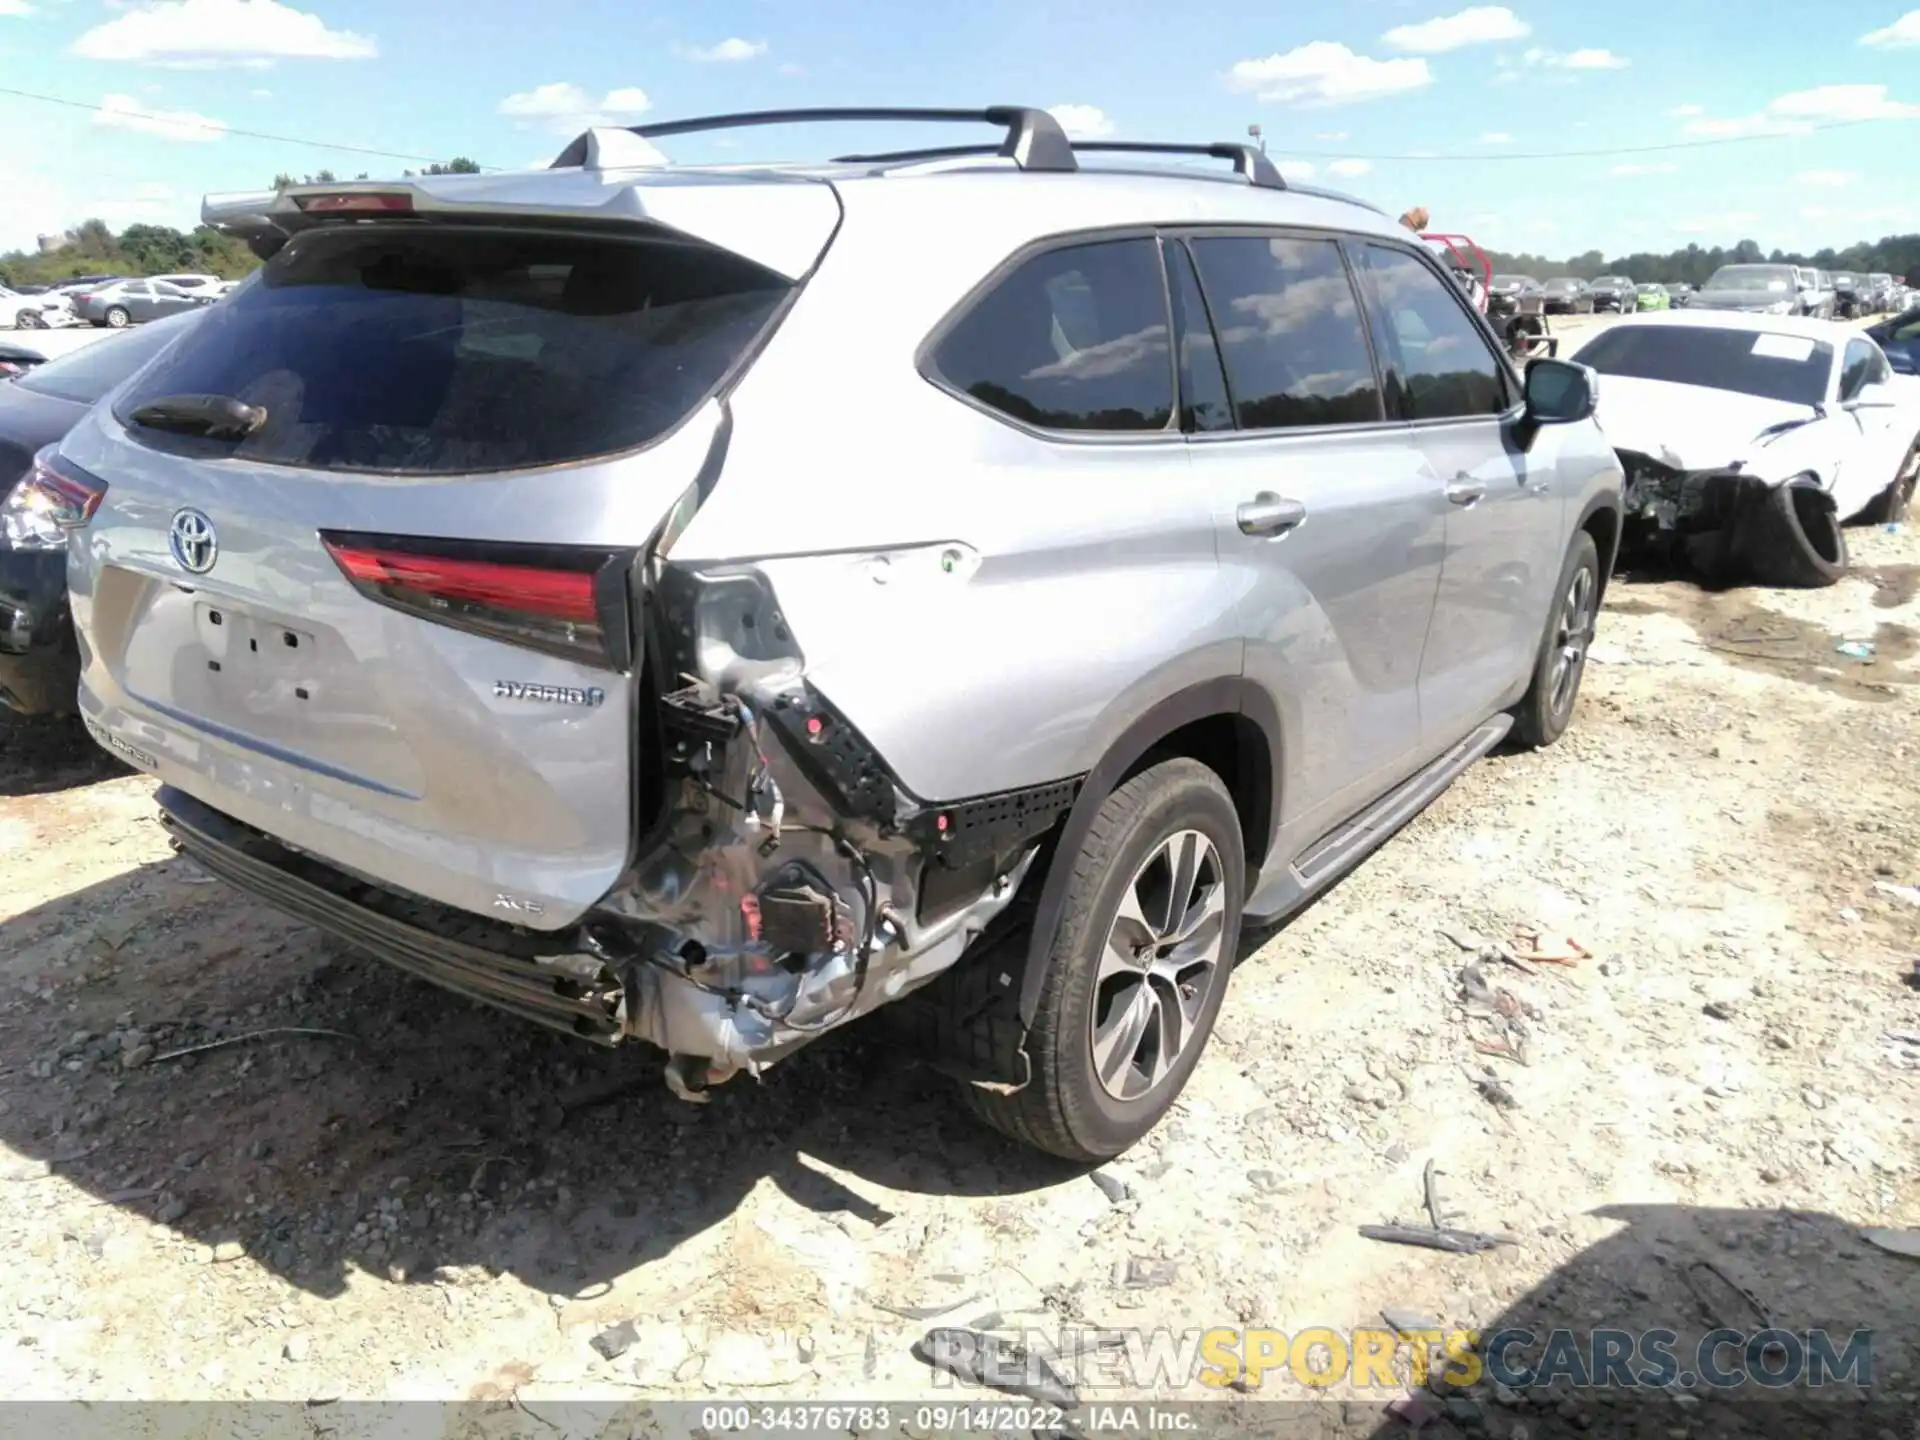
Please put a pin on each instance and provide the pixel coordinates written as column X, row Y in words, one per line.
column 214, row 417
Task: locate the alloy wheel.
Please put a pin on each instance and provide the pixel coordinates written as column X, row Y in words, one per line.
column 1165, row 952
column 1574, row 634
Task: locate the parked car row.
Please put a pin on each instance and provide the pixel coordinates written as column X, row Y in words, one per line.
column 1776, row 289
column 109, row 301
column 451, row 582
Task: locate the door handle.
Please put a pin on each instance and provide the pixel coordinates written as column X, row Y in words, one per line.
column 1269, row 514
column 1465, row 490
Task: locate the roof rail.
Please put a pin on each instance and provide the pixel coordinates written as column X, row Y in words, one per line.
column 1247, row 159
column 1034, row 140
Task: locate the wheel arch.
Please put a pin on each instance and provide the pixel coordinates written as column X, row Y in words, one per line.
column 1601, row 519
column 1229, row 725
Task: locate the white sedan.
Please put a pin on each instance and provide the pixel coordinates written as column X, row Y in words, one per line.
column 33, row 312
column 1749, row 440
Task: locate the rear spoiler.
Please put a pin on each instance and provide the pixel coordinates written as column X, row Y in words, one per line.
column 780, row 221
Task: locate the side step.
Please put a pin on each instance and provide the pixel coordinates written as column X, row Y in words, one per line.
column 1346, row 846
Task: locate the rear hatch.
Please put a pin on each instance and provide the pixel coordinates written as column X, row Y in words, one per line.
column 361, row 578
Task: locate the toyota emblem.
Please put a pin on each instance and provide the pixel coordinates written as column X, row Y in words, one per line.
column 192, row 541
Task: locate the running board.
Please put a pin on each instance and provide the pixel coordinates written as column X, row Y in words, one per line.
column 1334, row 854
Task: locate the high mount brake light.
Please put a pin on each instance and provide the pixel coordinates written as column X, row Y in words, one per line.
column 565, row 602
column 355, row 202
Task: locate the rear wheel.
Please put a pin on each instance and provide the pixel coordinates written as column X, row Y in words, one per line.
column 1544, row 713
column 1792, row 538
column 32, row 320
column 118, row 318
column 1892, row 503
column 1138, row 968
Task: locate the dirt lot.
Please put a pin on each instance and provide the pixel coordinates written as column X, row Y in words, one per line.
column 409, row 1209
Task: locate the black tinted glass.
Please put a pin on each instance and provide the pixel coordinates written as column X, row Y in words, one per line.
column 1770, row 366
column 1290, row 331
column 1446, row 364
column 439, row 350
column 1074, row 339
column 1203, row 385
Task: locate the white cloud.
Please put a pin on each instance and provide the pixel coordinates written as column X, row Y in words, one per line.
column 207, row 34
column 1826, row 179
column 792, row 69
column 1800, row 111
column 728, row 52
column 1842, row 102
column 1902, row 34
column 261, row 94
column 15, row 8
column 1296, row 169
column 1660, row 168
column 123, row 112
column 1687, row 112
column 1350, row 168
column 1576, row 59
column 1476, row 25
column 1326, row 73
column 1329, row 134
column 567, row 109
column 1496, row 137
column 1083, row 122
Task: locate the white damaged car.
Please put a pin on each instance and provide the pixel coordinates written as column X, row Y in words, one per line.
column 1749, row 440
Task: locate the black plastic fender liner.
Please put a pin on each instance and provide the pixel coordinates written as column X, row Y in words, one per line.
column 1230, row 696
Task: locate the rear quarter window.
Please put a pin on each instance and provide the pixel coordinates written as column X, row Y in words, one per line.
column 433, row 351
column 1072, row 339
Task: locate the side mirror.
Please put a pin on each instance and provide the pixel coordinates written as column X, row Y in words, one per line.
column 1559, row 392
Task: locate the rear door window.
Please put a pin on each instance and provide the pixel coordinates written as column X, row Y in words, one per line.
column 1445, row 368
column 1290, row 331
column 434, row 351
column 1072, row 339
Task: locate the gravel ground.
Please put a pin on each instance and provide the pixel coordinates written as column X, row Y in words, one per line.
column 417, row 1206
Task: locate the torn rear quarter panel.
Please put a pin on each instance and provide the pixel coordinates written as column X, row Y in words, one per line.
column 788, row 882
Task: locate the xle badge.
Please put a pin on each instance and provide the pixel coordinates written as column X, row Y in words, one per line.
column 548, row 694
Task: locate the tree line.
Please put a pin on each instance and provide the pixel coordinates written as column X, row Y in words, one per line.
column 1896, row 255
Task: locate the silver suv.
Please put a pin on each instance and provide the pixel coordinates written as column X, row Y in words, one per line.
column 703, row 605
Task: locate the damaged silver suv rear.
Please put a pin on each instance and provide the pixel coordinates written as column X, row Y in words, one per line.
column 702, row 605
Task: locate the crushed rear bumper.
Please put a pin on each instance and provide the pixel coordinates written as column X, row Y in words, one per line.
column 535, row 976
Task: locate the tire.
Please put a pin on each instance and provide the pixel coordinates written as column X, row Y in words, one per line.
column 31, row 320
column 1178, row 809
column 118, row 318
column 1792, row 538
column 1891, row 504
column 1545, row 711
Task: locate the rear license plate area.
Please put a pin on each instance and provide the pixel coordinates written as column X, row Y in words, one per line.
column 264, row 657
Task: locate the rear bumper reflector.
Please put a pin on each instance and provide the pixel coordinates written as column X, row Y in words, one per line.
column 485, row 962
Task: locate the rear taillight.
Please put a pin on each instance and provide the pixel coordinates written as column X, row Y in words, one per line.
column 55, row 497
column 560, row 600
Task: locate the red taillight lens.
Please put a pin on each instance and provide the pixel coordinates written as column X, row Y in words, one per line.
column 385, row 203
column 72, row 495
column 559, row 600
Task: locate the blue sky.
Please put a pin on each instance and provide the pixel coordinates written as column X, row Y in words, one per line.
column 1402, row 102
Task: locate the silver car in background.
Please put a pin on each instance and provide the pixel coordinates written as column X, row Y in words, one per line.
column 701, row 606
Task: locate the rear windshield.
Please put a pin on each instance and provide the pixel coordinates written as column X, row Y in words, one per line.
column 438, row 351
column 1777, row 278
column 1773, row 367
column 86, row 374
